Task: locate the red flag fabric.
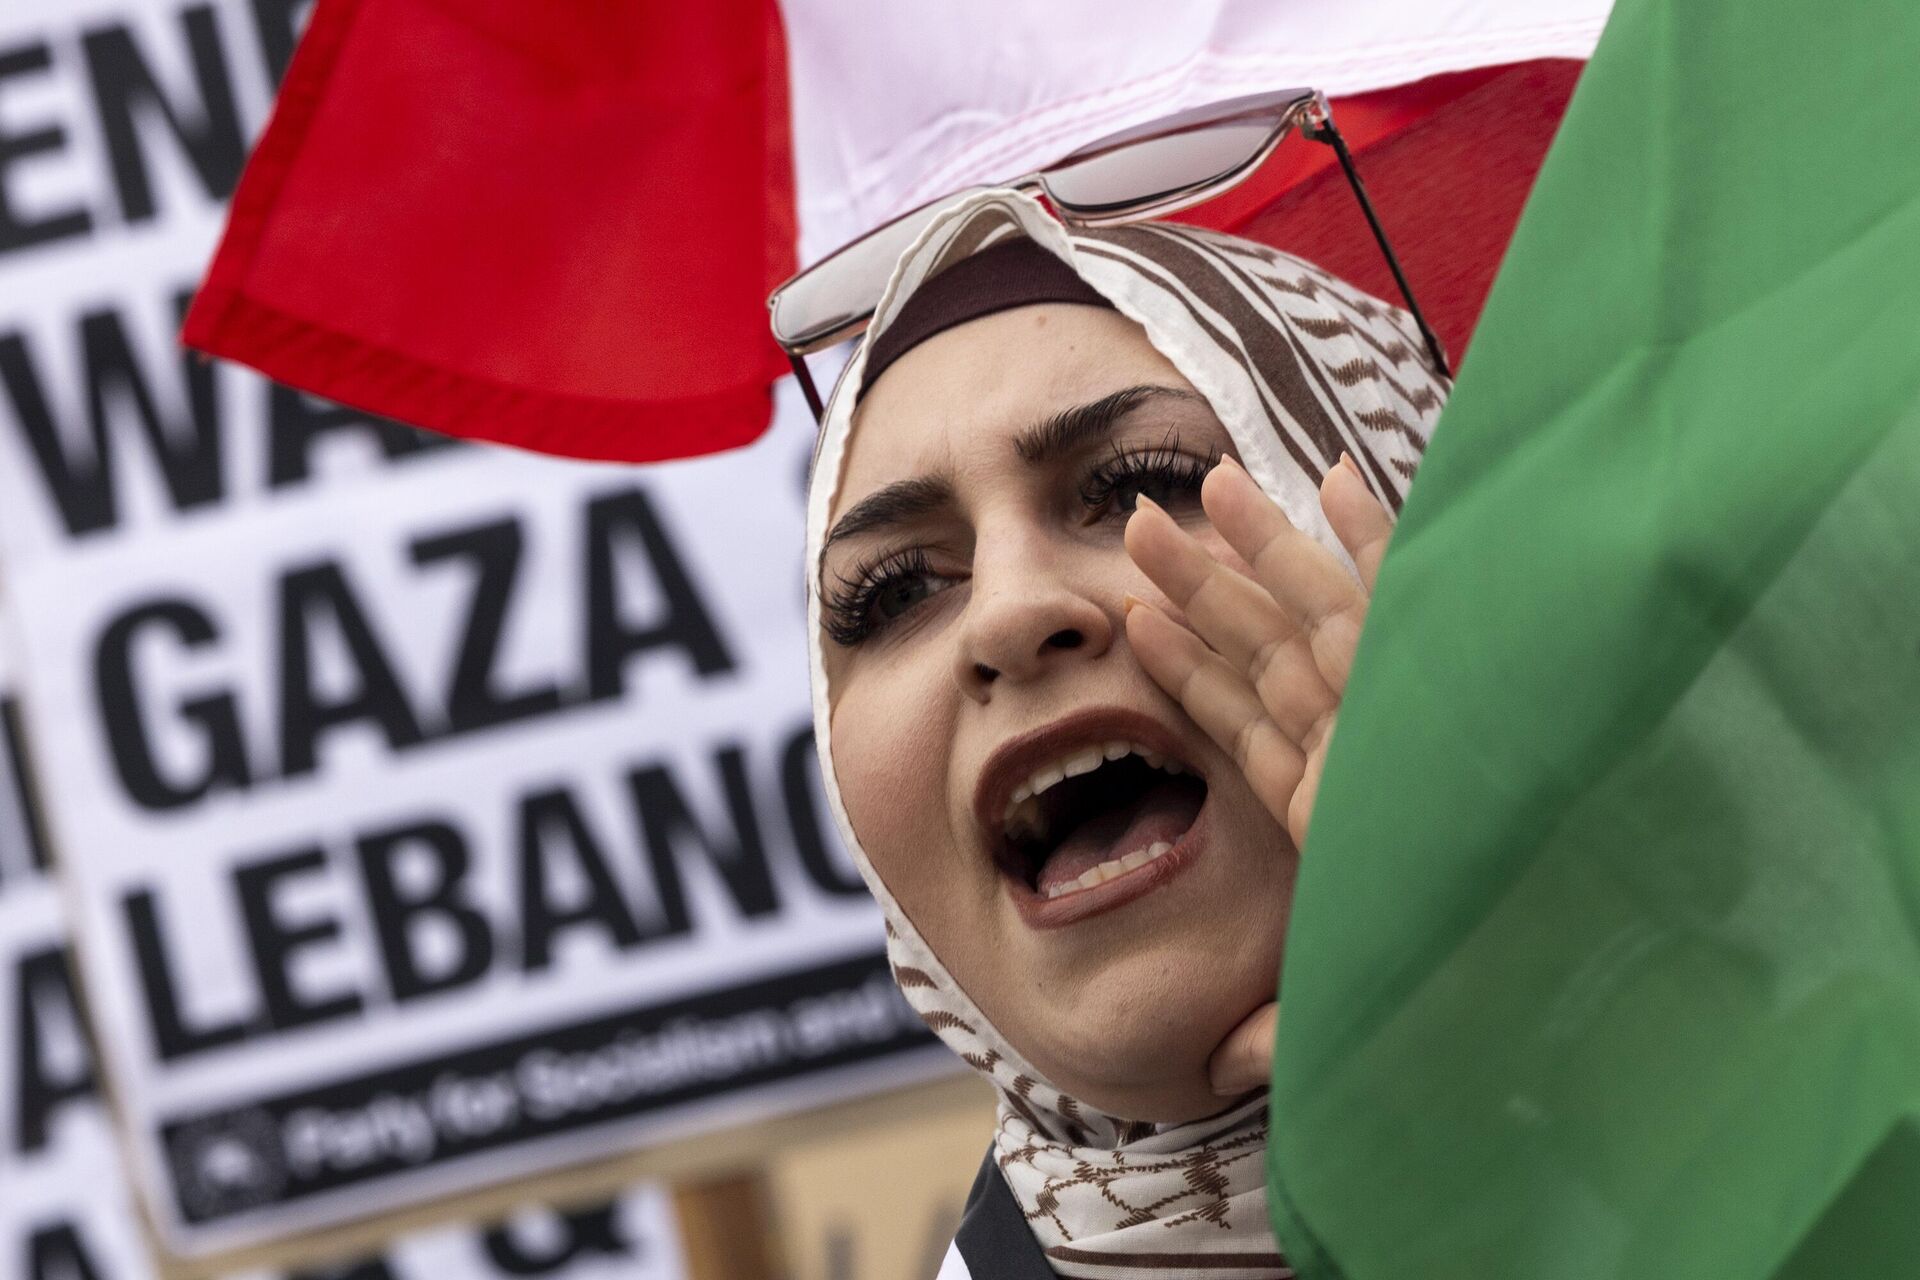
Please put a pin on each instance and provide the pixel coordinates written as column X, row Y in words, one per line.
column 550, row 225
column 555, row 225
column 1446, row 162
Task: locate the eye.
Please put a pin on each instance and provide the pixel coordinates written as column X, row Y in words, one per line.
column 1164, row 473
column 876, row 594
column 900, row 595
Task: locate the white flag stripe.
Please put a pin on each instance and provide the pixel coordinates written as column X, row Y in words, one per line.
column 896, row 104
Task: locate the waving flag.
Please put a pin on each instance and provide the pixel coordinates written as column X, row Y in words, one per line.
column 550, row 224
column 1605, row 961
column 554, row 224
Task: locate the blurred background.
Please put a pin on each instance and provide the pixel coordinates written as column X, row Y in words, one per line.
column 412, row 854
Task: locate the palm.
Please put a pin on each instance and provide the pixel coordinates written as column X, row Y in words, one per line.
column 1262, row 660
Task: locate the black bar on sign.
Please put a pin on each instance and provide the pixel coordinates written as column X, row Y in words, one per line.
column 278, row 1150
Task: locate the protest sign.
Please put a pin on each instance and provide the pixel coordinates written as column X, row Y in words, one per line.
column 432, row 814
column 631, row 1237
column 64, row 1205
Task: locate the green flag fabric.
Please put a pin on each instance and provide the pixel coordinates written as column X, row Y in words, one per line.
column 1605, row 958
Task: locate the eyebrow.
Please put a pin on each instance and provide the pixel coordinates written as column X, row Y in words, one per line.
column 906, row 500
column 1071, row 428
column 892, row 504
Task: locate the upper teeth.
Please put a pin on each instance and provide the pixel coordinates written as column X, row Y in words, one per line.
column 1023, row 810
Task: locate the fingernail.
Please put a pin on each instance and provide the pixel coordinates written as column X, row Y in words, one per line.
column 1346, row 460
column 1228, row 460
column 1224, row 1086
column 1128, row 601
column 1142, row 500
column 1235, row 1078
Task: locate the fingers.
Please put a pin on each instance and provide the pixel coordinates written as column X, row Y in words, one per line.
column 1238, row 619
column 1244, row 1060
column 1299, row 814
column 1221, row 702
column 1357, row 518
column 1307, row 580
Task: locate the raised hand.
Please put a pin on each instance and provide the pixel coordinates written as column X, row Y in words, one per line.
column 1259, row 659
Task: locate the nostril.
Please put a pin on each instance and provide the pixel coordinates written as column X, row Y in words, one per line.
column 1068, row 639
column 985, row 673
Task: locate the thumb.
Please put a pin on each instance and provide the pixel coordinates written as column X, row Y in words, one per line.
column 1244, row 1060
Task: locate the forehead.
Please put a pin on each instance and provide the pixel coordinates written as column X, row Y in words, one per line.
column 969, row 391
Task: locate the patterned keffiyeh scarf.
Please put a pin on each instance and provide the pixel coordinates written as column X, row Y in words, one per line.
column 1299, row 367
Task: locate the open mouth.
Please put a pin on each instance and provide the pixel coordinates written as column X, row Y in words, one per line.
column 1095, row 814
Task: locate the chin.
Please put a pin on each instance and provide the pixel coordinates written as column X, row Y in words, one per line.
column 1135, row 1039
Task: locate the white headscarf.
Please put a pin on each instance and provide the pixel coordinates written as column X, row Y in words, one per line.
column 1298, row 366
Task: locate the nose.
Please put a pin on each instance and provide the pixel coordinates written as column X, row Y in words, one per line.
column 1027, row 614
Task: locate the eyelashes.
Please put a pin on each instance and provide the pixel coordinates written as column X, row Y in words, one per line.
column 851, row 606
column 874, row 593
column 1130, row 472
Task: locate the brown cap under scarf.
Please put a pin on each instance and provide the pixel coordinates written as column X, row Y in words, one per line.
column 1014, row 273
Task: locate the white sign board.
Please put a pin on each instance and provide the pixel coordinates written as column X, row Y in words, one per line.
column 65, row 1210
column 432, row 814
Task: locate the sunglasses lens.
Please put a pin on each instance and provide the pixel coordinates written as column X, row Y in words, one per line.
column 1140, row 173
column 840, row 290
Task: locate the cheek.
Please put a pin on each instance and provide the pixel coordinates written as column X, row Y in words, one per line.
column 891, row 741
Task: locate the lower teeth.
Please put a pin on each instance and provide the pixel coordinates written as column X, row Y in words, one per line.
column 1108, row 870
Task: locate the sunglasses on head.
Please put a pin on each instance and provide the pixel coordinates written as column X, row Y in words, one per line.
column 1146, row 171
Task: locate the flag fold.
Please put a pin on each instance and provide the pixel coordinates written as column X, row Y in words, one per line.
column 1605, row 959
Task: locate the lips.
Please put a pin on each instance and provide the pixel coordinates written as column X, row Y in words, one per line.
column 1089, row 813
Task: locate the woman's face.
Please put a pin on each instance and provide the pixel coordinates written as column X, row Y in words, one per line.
column 1116, row 925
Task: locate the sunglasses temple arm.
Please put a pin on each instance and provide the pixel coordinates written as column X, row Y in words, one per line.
column 807, row 388
column 1323, row 130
